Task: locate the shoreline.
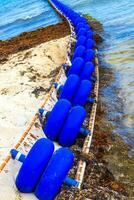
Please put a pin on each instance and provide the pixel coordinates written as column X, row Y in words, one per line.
column 100, row 158
column 116, row 152
column 31, row 39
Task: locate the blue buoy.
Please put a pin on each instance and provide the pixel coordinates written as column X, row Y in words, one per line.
column 52, row 179
column 87, row 71
column 79, row 52
column 72, row 126
column 77, row 65
column 89, row 55
column 34, row 165
column 56, row 119
column 82, row 93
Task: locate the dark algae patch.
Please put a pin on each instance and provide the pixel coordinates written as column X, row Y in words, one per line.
column 31, row 39
column 96, row 26
column 114, row 151
column 109, row 172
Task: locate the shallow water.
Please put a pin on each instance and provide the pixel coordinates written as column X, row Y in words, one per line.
column 117, row 17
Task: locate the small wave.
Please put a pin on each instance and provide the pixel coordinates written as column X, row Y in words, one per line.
column 6, row 20
column 30, row 16
column 21, row 20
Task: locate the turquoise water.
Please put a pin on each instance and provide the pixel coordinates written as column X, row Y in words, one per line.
column 117, row 17
column 19, row 16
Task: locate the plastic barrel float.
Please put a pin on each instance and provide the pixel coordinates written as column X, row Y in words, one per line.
column 61, row 117
column 42, row 175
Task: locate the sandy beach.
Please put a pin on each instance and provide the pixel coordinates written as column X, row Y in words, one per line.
column 25, row 79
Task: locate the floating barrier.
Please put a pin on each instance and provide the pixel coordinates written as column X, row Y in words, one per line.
column 62, row 115
column 75, row 90
column 42, row 175
column 79, row 52
column 59, row 127
column 76, row 67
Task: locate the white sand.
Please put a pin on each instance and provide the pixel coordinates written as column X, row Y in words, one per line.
column 19, row 77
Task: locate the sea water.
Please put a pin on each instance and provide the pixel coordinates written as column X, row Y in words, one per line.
column 117, row 17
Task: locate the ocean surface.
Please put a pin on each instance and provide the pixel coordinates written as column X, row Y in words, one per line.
column 117, row 17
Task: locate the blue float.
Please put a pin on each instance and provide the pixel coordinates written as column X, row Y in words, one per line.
column 89, row 34
column 34, row 165
column 76, row 67
column 72, row 126
column 56, row 119
column 52, row 179
column 89, row 44
column 81, row 32
column 79, row 52
column 89, row 55
column 82, row 93
column 87, row 71
column 81, row 41
column 70, row 87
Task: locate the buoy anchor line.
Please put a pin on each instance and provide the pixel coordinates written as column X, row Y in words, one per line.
column 87, row 143
column 30, row 141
